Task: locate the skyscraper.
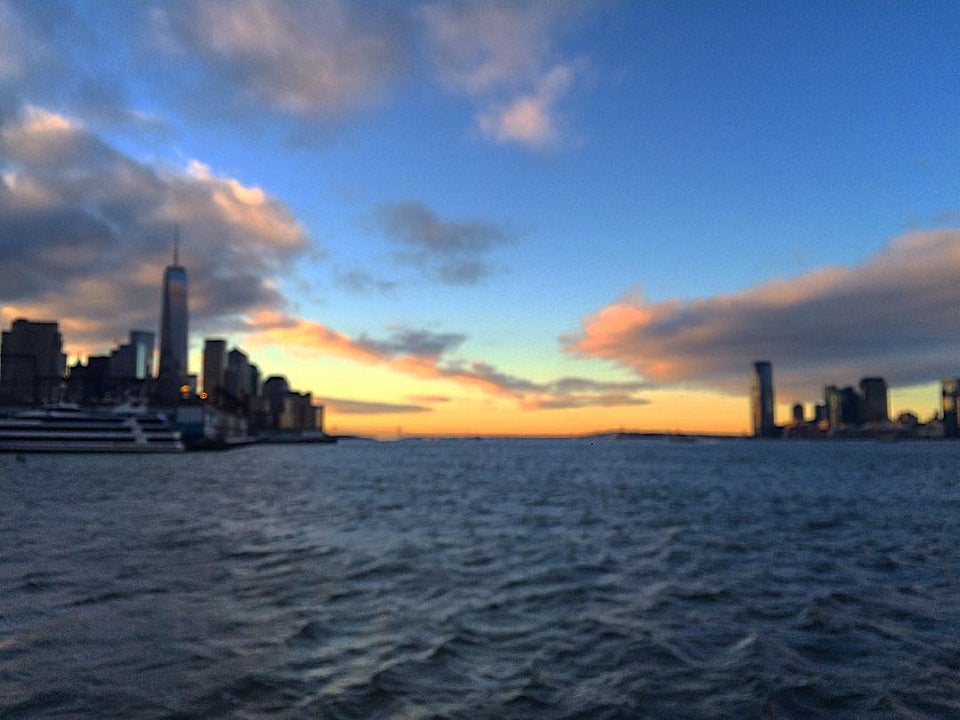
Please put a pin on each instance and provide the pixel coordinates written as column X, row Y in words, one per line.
column 32, row 363
column 214, row 367
column 874, row 392
column 173, row 328
column 950, row 389
column 134, row 360
column 763, row 425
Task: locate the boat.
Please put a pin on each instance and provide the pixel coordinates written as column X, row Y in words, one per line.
column 66, row 427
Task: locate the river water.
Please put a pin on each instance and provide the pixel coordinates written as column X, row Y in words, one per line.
column 484, row 579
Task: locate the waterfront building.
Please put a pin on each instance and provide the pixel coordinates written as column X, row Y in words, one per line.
column 254, row 379
column 298, row 412
column 134, row 360
column 833, row 407
column 873, row 390
column 275, row 389
column 762, row 401
column 950, row 391
column 173, row 329
column 238, row 380
column 797, row 412
column 214, row 367
column 32, row 363
column 851, row 407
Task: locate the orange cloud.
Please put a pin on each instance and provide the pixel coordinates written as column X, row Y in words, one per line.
column 287, row 331
column 893, row 315
column 419, row 354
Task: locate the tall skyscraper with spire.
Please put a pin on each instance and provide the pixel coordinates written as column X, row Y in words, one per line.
column 173, row 328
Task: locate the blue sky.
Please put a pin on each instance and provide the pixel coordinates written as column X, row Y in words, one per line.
column 449, row 210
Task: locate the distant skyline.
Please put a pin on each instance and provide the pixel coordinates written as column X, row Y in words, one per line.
column 497, row 217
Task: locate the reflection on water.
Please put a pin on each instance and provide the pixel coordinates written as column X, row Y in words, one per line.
column 490, row 579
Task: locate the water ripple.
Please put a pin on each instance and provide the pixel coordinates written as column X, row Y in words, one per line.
column 484, row 579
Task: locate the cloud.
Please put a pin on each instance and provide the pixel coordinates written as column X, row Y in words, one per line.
column 51, row 55
column 317, row 59
column 420, row 354
column 310, row 63
column 85, row 232
column 893, row 315
column 413, row 343
column 529, row 118
column 431, row 398
column 450, row 251
column 363, row 283
column 343, row 406
column 502, row 56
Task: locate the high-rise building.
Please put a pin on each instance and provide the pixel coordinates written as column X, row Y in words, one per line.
column 834, row 406
column 237, row 377
column 275, row 389
column 32, row 363
column 214, row 367
column 873, row 390
column 851, row 407
column 173, row 329
column 134, row 360
column 951, row 407
column 144, row 342
column 763, row 423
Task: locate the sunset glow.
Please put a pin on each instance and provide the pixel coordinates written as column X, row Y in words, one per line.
column 507, row 218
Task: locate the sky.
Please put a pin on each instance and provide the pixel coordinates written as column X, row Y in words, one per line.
column 497, row 217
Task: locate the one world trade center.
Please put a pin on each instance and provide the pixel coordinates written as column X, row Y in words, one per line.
column 173, row 329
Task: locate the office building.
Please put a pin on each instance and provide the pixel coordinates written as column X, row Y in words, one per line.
column 134, row 360
column 763, row 421
column 851, row 407
column 950, row 390
column 214, row 367
column 275, row 389
column 173, row 330
column 873, row 390
column 834, row 407
column 32, row 363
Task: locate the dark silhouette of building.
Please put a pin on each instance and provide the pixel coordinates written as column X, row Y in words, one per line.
column 288, row 411
column 950, row 390
column 797, row 413
column 131, row 365
column 32, row 363
column 214, row 367
column 833, row 407
column 173, row 330
column 275, row 389
column 134, row 360
column 763, row 422
column 240, row 383
column 851, row 407
column 873, row 390
column 91, row 383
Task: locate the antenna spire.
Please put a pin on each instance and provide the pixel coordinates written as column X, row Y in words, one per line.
column 176, row 245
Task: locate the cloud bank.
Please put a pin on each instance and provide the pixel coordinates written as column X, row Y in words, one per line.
column 86, row 231
column 311, row 63
column 897, row 315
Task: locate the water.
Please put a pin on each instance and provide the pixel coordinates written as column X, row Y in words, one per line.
column 484, row 579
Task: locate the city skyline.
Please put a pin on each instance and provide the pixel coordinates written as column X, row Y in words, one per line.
column 505, row 217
